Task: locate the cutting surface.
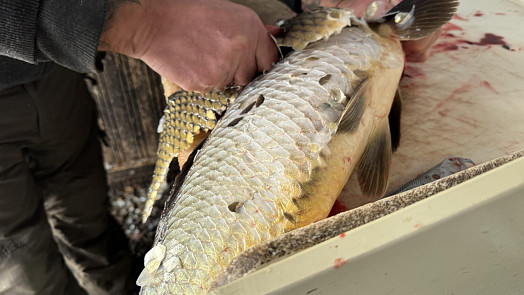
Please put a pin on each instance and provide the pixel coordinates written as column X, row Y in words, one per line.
column 467, row 99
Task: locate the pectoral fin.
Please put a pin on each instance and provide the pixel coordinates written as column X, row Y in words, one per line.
column 373, row 167
column 351, row 116
column 415, row 19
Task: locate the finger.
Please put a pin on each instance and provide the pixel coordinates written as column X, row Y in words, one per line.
column 273, row 30
column 227, row 77
column 266, row 53
column 246, row 69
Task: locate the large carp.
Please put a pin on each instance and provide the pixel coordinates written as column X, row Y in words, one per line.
column 283, row 150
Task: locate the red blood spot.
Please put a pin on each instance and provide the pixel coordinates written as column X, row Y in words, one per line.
column 417, row 226
column 226, row 249
column 347, row 160
column 339, row 262
column 500, row 13
column 457, row 92
column 442, row 47
column 478, row 13
column 488, row 85
column 342, row 235
column 256, row 211
column 492, row 39
column 451, row 27
column 412, row 72
column 338, row 207
column 458, row 17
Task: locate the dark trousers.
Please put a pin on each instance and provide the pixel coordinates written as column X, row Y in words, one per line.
column 54, row 222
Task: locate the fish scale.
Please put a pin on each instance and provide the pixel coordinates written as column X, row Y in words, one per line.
column 186, row 115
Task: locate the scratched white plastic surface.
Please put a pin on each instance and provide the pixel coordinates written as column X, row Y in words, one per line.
column 467, row 102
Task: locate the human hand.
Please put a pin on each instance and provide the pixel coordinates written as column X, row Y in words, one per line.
column 415, row 51
column 200, row 44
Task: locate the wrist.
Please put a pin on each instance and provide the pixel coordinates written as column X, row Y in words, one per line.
column 123, row 27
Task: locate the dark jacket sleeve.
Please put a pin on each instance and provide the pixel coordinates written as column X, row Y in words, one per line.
column 64, row 31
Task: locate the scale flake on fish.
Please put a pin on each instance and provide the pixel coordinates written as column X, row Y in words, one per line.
column 283, row 150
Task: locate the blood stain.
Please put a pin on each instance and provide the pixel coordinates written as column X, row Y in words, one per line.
column 342, row 235
column 339, row 262
column 488, row 40
column 451, row 27
column 492, row 39
column 412, row 72
column 462, row 89
column 458, row 17
column 488, row 85
column 500, row 13
column 338, row 207
column 417, row 226
column 441, row 47
column 478, row 13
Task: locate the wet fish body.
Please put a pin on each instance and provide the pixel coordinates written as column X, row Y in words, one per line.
column 279, row 157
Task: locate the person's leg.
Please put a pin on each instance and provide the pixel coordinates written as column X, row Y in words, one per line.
column 69, row 169
column 30, row 262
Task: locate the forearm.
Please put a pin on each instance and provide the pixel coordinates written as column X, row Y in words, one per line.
column 17, row 34
column 66, row 32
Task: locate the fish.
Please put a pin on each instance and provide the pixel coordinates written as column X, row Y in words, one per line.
column 283, row 150
column 445, row 168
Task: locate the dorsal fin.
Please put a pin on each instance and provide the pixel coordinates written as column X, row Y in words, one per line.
column 394, row 120
column 415, row 19
column 351, row 116
column 373, row 167
column 308, row 27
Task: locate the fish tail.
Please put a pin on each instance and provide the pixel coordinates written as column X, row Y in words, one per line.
column 415, row 19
